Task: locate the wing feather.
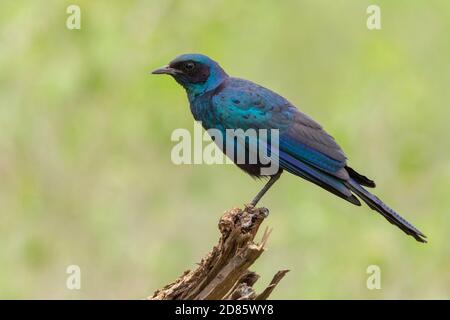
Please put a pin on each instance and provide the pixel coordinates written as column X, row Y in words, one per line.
column 244, row 104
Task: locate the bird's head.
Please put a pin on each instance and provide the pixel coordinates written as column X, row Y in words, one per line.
column 197, row 73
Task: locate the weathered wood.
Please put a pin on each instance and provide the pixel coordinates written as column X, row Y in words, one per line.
column 223, row 273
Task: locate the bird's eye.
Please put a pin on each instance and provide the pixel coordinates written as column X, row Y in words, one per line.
column 189, row 66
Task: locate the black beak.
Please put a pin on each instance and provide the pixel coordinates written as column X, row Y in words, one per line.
column 165, row 70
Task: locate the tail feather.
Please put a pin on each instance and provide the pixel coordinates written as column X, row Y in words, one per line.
column 389, row 214
column 361, row 179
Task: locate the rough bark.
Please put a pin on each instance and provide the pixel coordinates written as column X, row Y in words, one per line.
column 223, row 274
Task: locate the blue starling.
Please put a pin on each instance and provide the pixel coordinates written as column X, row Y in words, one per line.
column 304, row 148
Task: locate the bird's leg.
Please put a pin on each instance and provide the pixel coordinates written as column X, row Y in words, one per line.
column 266, row 188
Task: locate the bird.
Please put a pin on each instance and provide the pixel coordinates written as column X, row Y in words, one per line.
column 305, row 149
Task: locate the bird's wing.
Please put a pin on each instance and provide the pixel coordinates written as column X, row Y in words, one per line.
column 305, row 139
column 245, row 105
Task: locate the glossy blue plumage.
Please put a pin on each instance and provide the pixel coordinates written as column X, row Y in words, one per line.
column 305, row 149
column 241, row 104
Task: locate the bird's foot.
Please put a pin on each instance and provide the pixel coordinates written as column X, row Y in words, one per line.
column 249, row 206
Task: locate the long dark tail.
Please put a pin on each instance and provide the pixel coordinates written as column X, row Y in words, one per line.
column 393, row 217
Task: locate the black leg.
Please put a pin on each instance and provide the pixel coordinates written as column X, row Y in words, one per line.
column 269, row 184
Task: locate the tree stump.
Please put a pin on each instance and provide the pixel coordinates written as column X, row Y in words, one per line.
column 223, row 273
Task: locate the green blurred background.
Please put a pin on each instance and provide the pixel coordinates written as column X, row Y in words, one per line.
column 85, row 170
